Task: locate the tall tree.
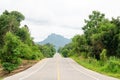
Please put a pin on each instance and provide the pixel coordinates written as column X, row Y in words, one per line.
column 24, row 35
column 11, row 51
column 9, row 21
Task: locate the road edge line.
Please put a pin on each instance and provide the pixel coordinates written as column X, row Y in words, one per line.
column 34, row 71
column 82, row 71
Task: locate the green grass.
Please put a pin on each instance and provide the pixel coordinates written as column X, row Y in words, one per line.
column 1, row 79
column 99, row 66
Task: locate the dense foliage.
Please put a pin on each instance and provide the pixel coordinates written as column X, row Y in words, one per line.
column 16, row 42
column 48, row 50
column 100, row 41
column 99, row 33
column 11, row 52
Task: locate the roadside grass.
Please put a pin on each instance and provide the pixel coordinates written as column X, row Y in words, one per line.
column 110, row 67
column 1, row 79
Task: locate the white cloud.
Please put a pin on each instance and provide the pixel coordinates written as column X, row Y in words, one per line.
column 65, row 17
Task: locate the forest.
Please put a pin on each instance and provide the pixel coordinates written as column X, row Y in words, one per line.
column 16, row 43
column 98, row 48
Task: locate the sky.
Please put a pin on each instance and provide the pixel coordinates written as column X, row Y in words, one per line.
column 63, row 17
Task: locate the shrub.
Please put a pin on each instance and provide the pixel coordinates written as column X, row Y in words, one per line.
column 36, row 54
column 11, row 66
column 11, row 53
column 103, row 56
column 26, row 52
column 47, row 50
column 84, row 54
column 112, row 65
column 65, row 53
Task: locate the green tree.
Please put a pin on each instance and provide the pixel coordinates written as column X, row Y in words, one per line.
column 11, row 52
column 9, row 21
column 116, row 38
column 92, row 24
column 67, row 50
column 16, row 42
column 47, row 50
column 91, row 28
column 18, row 16
column 99, row 33
column 24, row 35
column 79, row 43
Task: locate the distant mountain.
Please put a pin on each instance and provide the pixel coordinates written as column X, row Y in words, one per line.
column 56, row 40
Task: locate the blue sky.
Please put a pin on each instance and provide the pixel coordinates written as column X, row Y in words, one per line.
column 64, row 17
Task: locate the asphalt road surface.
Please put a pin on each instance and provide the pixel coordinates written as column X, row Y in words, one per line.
column 58, row 68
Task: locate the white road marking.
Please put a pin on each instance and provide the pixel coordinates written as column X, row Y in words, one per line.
column 82, row 71
column 33, row 71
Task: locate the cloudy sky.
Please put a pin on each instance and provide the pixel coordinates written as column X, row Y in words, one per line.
column 64, row 17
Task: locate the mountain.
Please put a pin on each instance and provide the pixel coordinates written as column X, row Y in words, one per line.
column 56, row 40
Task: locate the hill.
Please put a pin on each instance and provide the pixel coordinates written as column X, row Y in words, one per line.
column 56, row 40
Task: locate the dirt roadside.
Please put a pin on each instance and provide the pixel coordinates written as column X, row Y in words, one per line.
column 25, row 65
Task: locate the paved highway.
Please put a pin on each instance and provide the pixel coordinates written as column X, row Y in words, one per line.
column 58, row 68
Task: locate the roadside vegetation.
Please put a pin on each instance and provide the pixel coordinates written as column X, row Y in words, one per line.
column 47, row 50
column 99, row 47
column 16, row 43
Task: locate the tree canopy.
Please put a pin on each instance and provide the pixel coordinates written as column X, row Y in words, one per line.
column 16, row 42
column 99, row 33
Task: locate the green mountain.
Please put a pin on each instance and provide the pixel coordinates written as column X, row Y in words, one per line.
column 56, row 40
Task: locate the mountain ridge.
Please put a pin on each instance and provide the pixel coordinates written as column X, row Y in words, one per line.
column 57, row 40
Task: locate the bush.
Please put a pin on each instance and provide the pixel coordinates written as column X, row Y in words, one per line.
column 84, row 54
column 26, row 52
column 103, row 56
column 65, row 53
column 36, row 54
column 11, row 53
column 47, row 50
column 112, row 65
column 10, row 66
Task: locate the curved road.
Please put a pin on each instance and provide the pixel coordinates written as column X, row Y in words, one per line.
column 58, row 68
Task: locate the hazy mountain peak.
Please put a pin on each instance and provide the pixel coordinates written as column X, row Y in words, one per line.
column 56, row 40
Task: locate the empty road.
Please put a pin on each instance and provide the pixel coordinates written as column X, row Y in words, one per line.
column 58, row 68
